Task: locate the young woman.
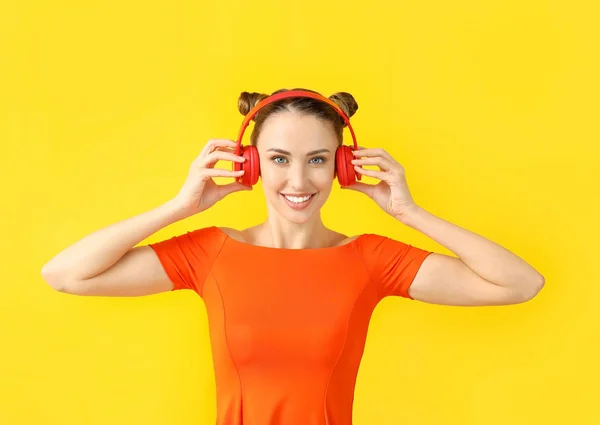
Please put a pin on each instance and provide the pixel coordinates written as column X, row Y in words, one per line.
column 289, row 300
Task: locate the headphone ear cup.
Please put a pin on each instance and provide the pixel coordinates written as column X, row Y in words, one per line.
column 251, row 166
column 344, row 168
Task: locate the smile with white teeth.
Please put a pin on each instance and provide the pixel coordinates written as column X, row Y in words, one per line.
column 296, row 199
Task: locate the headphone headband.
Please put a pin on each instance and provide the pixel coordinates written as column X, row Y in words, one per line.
column 283, row 95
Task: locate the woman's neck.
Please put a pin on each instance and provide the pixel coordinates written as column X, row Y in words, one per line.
column 279, row 234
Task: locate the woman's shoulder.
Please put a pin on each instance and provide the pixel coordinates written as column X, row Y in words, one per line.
column 342, row 239
column 238, row 235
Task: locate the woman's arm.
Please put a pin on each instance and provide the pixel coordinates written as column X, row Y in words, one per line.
column 484, row 273
column 99, row 251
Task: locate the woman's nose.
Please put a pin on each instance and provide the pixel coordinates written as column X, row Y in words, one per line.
column 297, row 175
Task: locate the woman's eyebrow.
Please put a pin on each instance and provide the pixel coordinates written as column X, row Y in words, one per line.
column 289, row 153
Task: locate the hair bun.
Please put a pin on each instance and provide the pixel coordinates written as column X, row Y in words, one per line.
column 346, row 102
column 249, row 100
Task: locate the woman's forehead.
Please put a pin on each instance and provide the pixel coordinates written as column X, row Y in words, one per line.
column 296, row 132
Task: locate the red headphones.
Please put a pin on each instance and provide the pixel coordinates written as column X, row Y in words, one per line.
column 344, row 168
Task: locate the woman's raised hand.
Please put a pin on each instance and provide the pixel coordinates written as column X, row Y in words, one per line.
column 200, row 192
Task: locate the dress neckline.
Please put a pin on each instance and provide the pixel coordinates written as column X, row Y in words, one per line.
column 260, row 247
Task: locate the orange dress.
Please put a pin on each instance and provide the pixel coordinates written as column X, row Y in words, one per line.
column 287, row 326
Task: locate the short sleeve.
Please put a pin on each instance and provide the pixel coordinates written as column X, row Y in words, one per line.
column 391, row 264
column 188, row 258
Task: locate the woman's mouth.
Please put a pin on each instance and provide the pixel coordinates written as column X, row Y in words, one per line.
column 297, row 202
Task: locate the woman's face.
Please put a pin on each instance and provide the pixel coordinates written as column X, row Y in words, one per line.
column 297, row 163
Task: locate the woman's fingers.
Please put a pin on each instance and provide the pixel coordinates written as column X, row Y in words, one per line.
column 382, row 163
column 378, row 157
column 212, row 158
column 214, row 144
column 221, row 172
column 372, row 152
column 371, row 173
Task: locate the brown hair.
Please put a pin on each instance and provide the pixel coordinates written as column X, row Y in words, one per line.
column 305, row 105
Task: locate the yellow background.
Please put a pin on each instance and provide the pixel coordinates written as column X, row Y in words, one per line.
column 492, row 108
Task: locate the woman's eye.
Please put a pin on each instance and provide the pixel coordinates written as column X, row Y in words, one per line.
column 282, row 160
